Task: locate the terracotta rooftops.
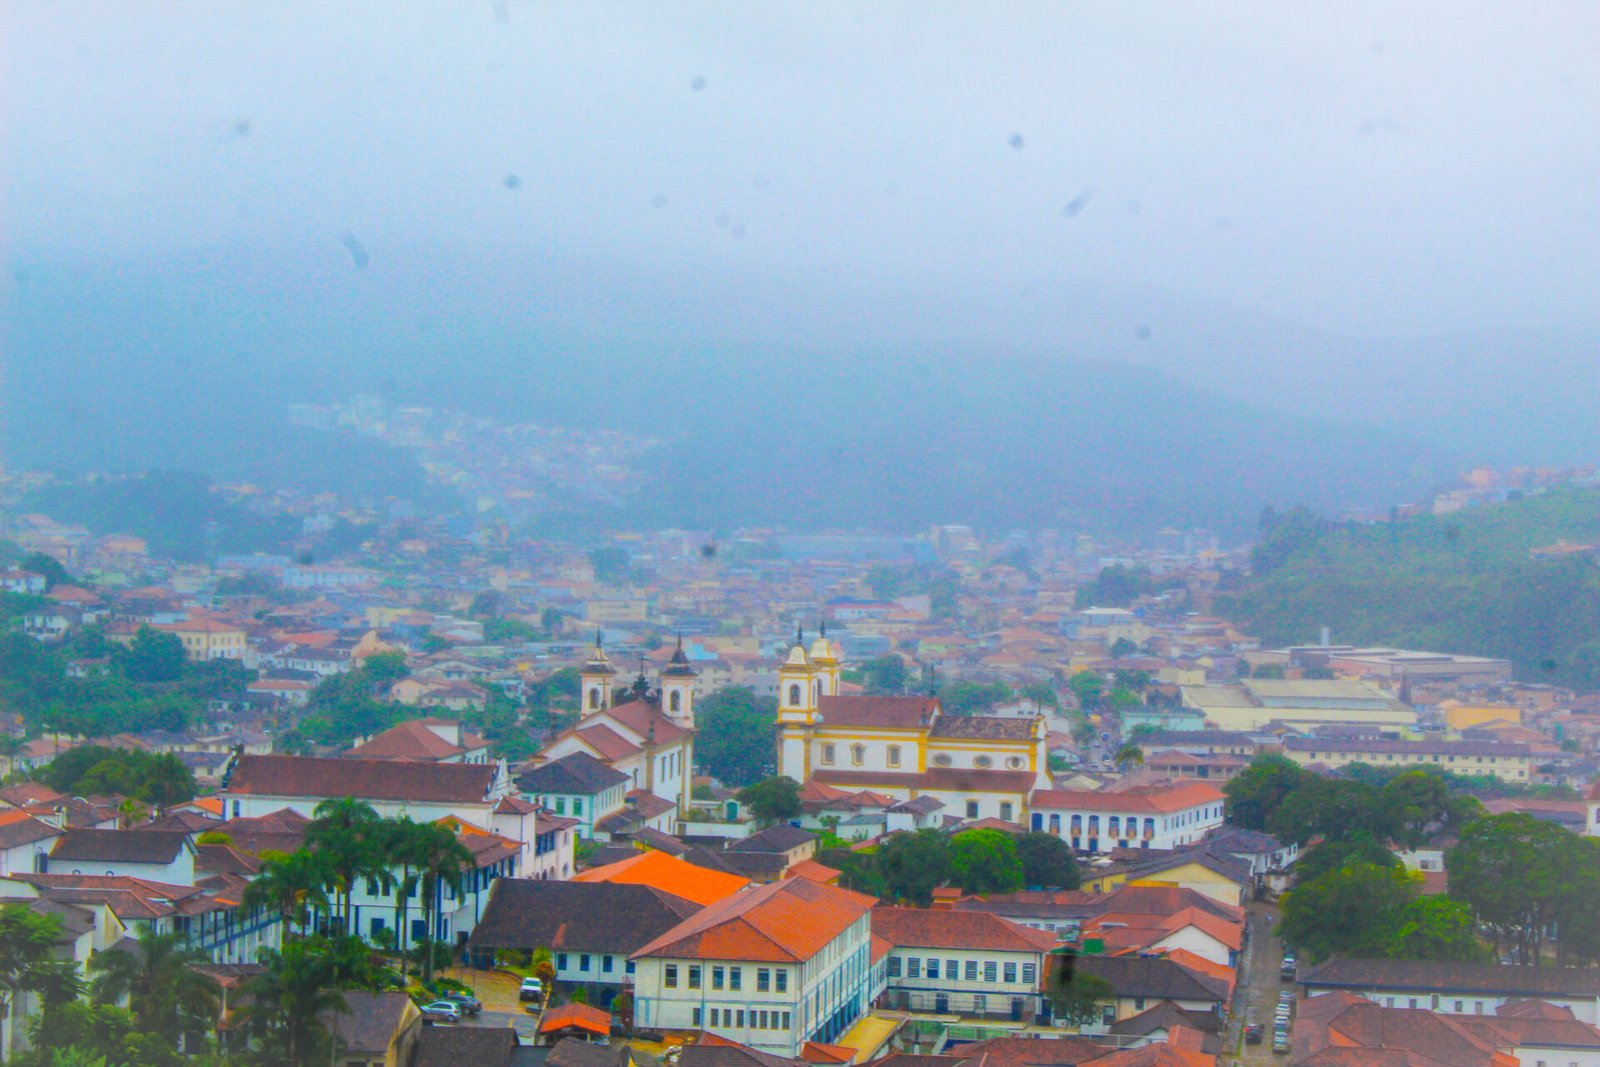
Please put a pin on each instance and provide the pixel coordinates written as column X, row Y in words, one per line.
column 903, row 713
column 668, row 874
column 783, row 922
column 977, row 930
column 1141, row 799
column 415, row 740
column 369, row 779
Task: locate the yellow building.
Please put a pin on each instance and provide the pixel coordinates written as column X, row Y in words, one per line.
column 1506, row 760
column 205, row 638
column 1459, row 716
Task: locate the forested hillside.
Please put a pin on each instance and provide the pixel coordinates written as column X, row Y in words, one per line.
column 1459, row 583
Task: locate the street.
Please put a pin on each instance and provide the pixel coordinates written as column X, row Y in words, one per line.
column 1257, row 994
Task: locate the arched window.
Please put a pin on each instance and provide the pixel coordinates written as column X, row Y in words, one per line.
column 894, row 755
column 594, row 697
column 677, row 700
column 816, row 691
column 858, row 754
column 794, row 696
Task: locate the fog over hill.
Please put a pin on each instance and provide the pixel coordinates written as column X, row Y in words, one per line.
column 193, row 364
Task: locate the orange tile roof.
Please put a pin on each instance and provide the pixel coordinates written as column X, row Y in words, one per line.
column 817, row 872
column 665, row 872
column 782, row 922
column 582, row 1016
column 817, row 1052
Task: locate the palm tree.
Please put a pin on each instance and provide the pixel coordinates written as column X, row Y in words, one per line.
column 289, row 883
column 165, row 993
column 347, row 832
column 1129, row 753
column 291, row 1000
column 28, row 942
column 441, row 859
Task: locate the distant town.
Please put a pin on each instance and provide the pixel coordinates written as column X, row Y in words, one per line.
column 402, row 789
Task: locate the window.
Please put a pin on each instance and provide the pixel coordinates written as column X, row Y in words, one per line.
column 783, row 983
column 677, row 700
column 594, row 697
column 740, row 1023
column 858, row 754
column 972, row 809
column 735, row 978
column 577, row 805
column 1030, row 973
column 972, row 970
column 606, row 963
column 1011, row 972
column 583, row 962
column 1014, row 762
column 990, row 971
column 827, row 754
column 794, row 696
column 761, row 1021
column 697, row 1016
column 983, row 761
column 894, row 755
column 914, row 967
column 694, row 976
column 561, row 961
column 669, row 976
column 952, row 969
column 763, row 979
column 561, row 805
column 933, row 968
column 372, row 887
column 1460, row 1007
column 942, row 760
column 1005, row 810
column 716, row 978
column 786, row 1020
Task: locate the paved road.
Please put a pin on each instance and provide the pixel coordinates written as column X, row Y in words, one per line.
column 1257, row 994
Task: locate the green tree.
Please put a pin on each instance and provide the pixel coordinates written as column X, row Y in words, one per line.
column 347, row 834
column 442, row 861
column 610, row 564
column 1419, row 804
column 885, row 675
column 1254, row 796
column 772, row 800
column 1353, row 911
column 1047, row 862
column 291, row 1002
column 165, row 993
column 1076, row 996
column 27, row 943
column 1129, row 755
column 291, row 884
column 154, row 656
column 738, row 735
column 1358, row 847
column 1333, row 808
column 48, row 566
column 1115, row 586
column 1123, row 647
column 1087, row 686
column 912, row 864
column 1518, row 874
column 1437, row 928
column 973, row 698
column 985, row 861
column 1042, row 694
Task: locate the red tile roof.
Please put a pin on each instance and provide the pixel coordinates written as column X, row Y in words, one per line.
column 897, row 713
column 921, row 928
column 413, row 740
column 368, row 779
column 580, row 1016
column 669, row 874
column 1141, row 799
column 782, row 922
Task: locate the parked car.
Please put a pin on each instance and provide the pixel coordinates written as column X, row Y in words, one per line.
column 532, row 989
column 1253, row 1033
column 441, row 1011
column 469, row 1004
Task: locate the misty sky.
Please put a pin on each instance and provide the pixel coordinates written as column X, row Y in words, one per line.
column 1367, row 168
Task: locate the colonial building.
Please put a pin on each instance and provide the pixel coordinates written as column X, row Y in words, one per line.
column 967, row 962
column 644, row 733
column 772, row 967
column 903, row 747
column 1142, row 817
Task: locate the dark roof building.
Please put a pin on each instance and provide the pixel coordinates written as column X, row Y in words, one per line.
column 577, row 773
column 601, row 917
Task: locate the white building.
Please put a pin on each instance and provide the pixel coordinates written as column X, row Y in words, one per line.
column 648, row 736
column 772, row 967
column 1161, row 816
column 966, row 962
